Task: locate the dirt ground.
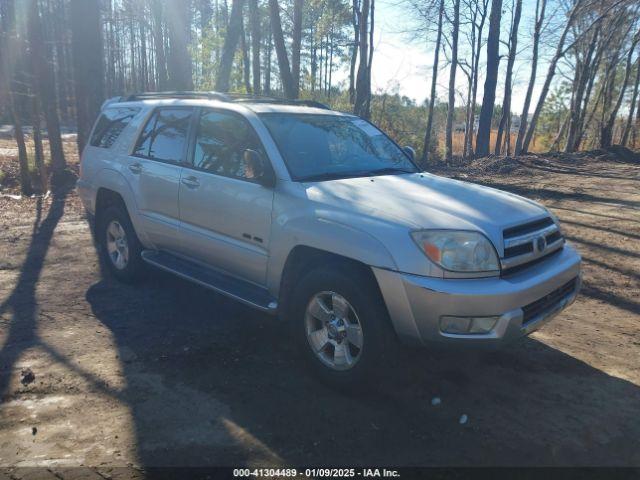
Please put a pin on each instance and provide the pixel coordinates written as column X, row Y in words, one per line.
column 101, row 374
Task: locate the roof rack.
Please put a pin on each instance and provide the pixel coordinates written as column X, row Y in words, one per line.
column 177, row 94
column 224, row 97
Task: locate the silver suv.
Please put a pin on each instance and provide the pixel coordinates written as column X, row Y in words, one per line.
column 319, row 217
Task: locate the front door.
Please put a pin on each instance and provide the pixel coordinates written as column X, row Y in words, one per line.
column 225, row 215
column 154, row 170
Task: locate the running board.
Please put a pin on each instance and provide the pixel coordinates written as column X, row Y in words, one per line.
column 244, row 292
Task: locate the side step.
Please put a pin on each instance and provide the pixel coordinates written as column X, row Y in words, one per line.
column 240, row 290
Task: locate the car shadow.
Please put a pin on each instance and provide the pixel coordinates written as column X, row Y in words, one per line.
column 211, row 382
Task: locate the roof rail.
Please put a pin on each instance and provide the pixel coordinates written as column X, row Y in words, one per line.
column 281, row 101
column 177, row 94
column 225, row 97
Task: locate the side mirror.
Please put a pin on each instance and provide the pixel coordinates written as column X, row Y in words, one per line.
column 411, row 153
column 257, row 168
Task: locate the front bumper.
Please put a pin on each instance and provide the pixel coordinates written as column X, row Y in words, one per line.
column 416, row 304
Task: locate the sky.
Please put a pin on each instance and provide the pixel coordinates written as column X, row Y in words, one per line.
column 405, row 65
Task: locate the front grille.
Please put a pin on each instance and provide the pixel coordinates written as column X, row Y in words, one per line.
column 529, row 243
column 547, row 302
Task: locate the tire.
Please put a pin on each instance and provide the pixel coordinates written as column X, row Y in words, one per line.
column 125, row 262
column 365, row 308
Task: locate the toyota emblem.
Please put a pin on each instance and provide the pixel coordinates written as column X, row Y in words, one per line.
column 540, row 243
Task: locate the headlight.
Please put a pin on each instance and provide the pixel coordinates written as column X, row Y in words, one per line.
column 458, row 251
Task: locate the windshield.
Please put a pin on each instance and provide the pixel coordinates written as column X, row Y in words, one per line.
column 325, row 147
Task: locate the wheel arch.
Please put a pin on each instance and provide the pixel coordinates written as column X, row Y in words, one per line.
column 115, row 190
column 304, row 258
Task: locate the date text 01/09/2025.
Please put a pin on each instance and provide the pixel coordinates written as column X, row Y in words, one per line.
column 316, row 472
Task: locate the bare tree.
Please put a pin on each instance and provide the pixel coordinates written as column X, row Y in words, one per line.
column 355, row 22
column 45, row 86
column 480, row 9
column 179, row 61
column 296, row 44
column 362, row 100
column 606, row 131
column 288, row 83
column 234, row 31
column 434, row 82
column 491, row 79
column 8, row 49
column 158, row 39
column 87, row 64
column 632, row 104
column 254, row 18
column 541, row 6
column 505, row 119
column 455, row 30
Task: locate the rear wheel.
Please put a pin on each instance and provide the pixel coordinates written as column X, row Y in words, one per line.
column 341, row 325
column 119, row 245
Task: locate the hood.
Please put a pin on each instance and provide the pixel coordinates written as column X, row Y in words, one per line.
column 422, row 200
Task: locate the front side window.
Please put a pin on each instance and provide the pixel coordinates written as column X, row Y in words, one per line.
column 110, row 125
column 221, row 141
column 324, row 147
column 165, row 135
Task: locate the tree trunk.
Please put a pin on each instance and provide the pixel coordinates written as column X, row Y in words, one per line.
column 632, row 104
column 267, row 70
column 158, row 40
column 550, row 74
column 234, row 30
column 44, row 80
column 452, row 80
column 37, row 143
column 254, row 19
column 179, row 62
column 355, row 16
column 506, row 104
column 363, row 88
column 491, row 80
column 470, row 125
column 296, row 44
column 288, row 83
column 426, row 151
column 541, row 6
column 7, row 71
column 606, row 138
column 246, row 64
column 87, row 64
column 583, row 77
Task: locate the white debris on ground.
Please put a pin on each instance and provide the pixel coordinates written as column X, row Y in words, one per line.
column 8, row 152
column 435, row 401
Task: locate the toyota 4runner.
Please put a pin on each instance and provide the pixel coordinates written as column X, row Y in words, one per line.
column 319, row 217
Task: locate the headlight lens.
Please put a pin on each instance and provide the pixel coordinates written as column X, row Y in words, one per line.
column 458, row 251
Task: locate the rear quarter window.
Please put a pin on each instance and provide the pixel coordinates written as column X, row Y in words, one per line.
column 110, row 125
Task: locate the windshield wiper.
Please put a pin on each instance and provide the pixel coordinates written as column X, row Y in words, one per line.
column 388, row 171
column 360, row 173
column 333, row 176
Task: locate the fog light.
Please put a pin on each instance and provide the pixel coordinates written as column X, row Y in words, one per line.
column 467, row 325
column 455, row 324
column 483, row 324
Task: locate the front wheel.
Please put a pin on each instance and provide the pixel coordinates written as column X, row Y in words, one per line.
column 341, row 325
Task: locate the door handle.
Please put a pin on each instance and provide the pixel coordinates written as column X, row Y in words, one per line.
column 135, row 168
column 191, row 182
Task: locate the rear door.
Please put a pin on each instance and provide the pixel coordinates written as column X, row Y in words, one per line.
column 154, row 168
column 225, row 214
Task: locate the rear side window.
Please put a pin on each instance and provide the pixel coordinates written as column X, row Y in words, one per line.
column 165, row 135
column 110, row 125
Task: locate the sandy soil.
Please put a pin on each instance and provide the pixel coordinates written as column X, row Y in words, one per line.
column 101, row 374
